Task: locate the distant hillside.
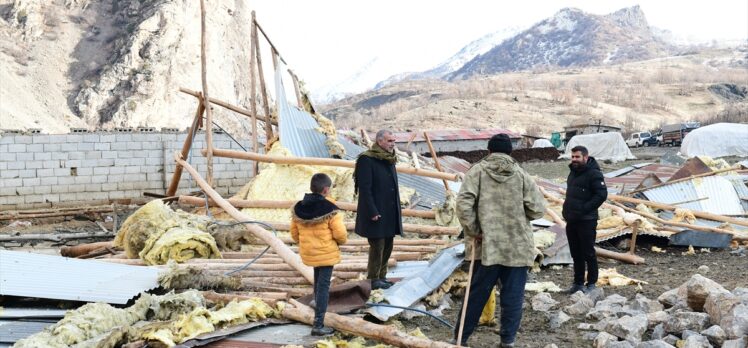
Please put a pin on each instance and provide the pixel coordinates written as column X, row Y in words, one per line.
column 572, row 38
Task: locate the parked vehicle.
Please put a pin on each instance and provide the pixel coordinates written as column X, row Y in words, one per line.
column 673, row 134
column 641, row 139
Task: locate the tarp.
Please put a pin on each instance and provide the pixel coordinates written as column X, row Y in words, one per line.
column 717, row 140
column 602, row 146
column 542, row 143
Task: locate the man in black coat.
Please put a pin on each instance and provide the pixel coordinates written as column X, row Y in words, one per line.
column 379, row 216
column 585, row 192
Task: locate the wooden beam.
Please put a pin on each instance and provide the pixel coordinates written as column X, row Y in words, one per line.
column 209, row 113
column 263, row 89
column 274, row 242
column 436, row 160
column 333, row 162
column 224, row 105
column 241, row 203
column 174, row 184
column 683, row 179
column 297, row 89
column 253, row 91
column 696, row 213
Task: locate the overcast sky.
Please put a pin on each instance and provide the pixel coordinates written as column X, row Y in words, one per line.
column 325, row 41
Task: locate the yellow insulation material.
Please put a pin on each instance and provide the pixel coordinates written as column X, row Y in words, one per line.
column 488, row 315
column 610, row 222
column 684, row 215
column 86, row 322
column 338, row 342
column 544, row 239
column 610, row 276
column 157, row 234
column 446, row 214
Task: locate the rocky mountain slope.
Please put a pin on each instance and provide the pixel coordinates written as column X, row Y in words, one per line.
column 117, row 63
column 571, row 38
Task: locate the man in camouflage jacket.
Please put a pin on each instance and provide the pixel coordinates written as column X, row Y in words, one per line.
column 496, row 203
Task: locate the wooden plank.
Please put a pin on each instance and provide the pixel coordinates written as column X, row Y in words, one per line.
column 209, row 113
column 253, row 91
column 224, row 104
column 436, row 160
column 174, row 184
column 263, row 90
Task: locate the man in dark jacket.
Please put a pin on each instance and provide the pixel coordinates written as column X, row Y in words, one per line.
column 585, row 192
column 378, row 217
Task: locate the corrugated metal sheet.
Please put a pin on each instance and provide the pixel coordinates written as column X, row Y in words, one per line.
column 738, row 182
column 11, row 330
column 241, row 344
column 415, row 287
column 57, row 277
column 713, row 194
column 454, row 164
column 19, row 313
column 456, row 134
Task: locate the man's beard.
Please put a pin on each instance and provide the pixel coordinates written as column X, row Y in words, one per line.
column 575, row 165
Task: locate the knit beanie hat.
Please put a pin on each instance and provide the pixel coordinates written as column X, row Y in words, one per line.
column 500, row 143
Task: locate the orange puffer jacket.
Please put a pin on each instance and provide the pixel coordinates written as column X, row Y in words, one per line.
column 319, row 238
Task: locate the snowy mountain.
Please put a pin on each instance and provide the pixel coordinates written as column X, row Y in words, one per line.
column 572, row 38
column 364, row 79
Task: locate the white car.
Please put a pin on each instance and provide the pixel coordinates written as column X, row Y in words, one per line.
column 639, row 139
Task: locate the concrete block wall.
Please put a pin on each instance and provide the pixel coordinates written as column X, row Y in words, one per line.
column 38, row 170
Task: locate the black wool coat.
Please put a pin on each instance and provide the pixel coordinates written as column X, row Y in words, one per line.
column 378, row 194
column 585, row 192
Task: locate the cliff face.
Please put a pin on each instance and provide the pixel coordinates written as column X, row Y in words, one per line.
column 116, row 63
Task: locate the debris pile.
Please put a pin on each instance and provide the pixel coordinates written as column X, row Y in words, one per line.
column 535, row 154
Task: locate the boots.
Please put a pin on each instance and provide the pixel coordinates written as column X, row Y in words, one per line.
column 322, row 331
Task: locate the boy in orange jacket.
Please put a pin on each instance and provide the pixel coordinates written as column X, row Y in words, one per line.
column 318, row 228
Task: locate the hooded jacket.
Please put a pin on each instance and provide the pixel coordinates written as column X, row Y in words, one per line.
column 585, row 192
column 497, row 201
column 318, row 228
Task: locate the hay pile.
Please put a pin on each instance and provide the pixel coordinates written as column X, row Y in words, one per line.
column 157, row 234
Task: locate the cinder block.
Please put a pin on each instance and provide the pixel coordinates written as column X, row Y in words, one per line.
column 154, row 176
column 52, row 198
column 93, row 155
column 123, row 137
column 51, row 164
column 106, row 163
column 34, row 164
column 58, row 172
column 13, row 148
column 109, row 154
column 3, row 148
column 135, row 177
column 11, row 182
column 107, row 138
column 98, row 179
column 102, row 146
column 118, row 146
column 151, row 145
column 91, row 138
column 83, row 196
column 74, row 138
column 77, row 155
column 58, row 138
column 69, row 147
column 42, row 189
column 59, row 156
column 156, row 185
column 142, row 137
column 124, row 186
column 101, row 171
column 109, row 186
column 66, row 180
column 73, row 163
column 23, row 139
column 98, row 196
column 168, row 137
column 41, row 173
column 83, row 171
column 35, row 148
column 31, row 181
column 40, row 139
column 125, row 154
column 154, row 161
column 93, row 187
column 42, row 156
column 67, row 197
column 85, row 146
column 8, row 191
column 133, row 145
column 90, row 163
column 132, row 169
column 59, row 188
column 51, row 147
column 117, row 170
column 16, row 165
column 24, row 190
column 33, row 199
column 115, row 178
column 76, row 188
column 82, row 179
column 140, row 185
column 116, row 195
column 7, row 156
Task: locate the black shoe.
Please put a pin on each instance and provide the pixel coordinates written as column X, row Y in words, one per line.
column 322, row 331
column 388, row 282
column 507, row 345
column 574, row 288
column 379, row 284
column 454, row 342
column 589, row 288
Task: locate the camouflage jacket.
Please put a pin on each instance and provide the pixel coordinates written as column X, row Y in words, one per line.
column 497, row 201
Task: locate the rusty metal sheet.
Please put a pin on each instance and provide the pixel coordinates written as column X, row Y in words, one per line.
column 693, row 166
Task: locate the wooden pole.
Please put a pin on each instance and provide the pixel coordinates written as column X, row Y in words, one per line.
column 276, row 244
column 436, row 160
column 174, row 184
column 324, row 162
column 297, row 89
column 410, row 141
column 683, row 179
column 634, row 232
column 365, row 138
column 467, row 291
column 83, row 249
column 263, row 90
column 412, row 228
column 265, row 204
column 388, row 334
column 225, row 105
column 209, row 113
column 696, row 213
column 253, row 90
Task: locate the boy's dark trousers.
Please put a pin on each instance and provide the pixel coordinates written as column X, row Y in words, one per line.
column 511, row 281
column 322, row 276
column 380, row 250
column 581, row 236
